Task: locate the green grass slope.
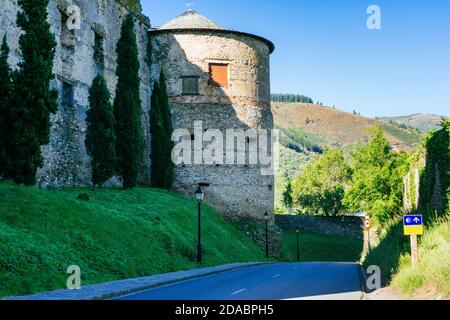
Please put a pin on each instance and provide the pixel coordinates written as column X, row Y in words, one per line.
column 116, row 235
column 431, row 277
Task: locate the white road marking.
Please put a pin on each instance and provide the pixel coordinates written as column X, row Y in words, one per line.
column 276, row 276
column 239, row 291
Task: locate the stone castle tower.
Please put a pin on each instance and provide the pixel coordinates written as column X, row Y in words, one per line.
column 220, row 77
column 217, row 76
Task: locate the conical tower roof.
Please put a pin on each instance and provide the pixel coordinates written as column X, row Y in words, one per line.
column 190, row 20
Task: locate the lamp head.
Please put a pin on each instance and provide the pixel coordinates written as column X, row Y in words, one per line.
column 199, row 194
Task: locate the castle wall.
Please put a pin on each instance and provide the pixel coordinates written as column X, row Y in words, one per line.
column 66, row 162
column 237, row 191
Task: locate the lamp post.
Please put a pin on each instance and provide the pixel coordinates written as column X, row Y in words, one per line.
column 199, row 194
column 266, row 219
column 298, row 245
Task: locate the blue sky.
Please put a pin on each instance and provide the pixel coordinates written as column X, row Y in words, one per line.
column 324, row 49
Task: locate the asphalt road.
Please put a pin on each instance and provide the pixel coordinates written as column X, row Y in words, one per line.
column 265, row 282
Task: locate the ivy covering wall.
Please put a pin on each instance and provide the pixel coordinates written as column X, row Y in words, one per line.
column 427, row 184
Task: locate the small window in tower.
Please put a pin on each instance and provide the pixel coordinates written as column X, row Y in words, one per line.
column 67, row 95
column 218, row 74
column 190, row 85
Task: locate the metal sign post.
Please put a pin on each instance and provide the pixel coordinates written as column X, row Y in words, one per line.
column 367, row 225
column 413, row 226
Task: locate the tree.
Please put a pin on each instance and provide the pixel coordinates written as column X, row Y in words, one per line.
column 156, row 130
column 168, row 130
column 161, row 130
column 320, row 189
column 32, row 99
column 287, row 196
column 377, row 181
column 127, row 106
column 100, row 136
column 5, row 96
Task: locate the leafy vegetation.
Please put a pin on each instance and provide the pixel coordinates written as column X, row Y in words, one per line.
column 118, row 234
column 410, row 136
column 127, row 106
column 392, row 253
column 320, row 189
column 299, row 141
column 376, row 185
column 292, row 164
column 277, row 97
column 319, row 247
column 100, row 136
column 431, row 277
column 5, row 96
column 161, row 130
column 31, row 101
column 434, row 187
column 288, row 201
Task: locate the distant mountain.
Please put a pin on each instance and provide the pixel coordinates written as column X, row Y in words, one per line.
column 305, row 129
column 423, row 122
column 338, row 128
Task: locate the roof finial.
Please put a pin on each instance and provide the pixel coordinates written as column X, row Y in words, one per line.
column 189, row 5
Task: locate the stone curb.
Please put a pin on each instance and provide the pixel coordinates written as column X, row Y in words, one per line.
column 118, row 288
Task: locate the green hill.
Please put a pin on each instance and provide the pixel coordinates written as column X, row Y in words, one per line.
column 116, row 235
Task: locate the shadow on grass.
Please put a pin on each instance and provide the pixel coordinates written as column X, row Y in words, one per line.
column 388, row 252
column 393, row 244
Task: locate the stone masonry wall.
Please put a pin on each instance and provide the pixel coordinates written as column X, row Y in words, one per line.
column 66, row 162
column 349, row 227
column 237, row 191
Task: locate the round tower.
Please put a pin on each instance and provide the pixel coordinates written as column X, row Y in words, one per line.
column 221, row 78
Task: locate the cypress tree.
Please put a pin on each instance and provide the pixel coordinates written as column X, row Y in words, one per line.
column 156, row 130
column 32, row 98
column 166, row 116
column 161, row 130
column 5, row 94
column 127, row 106
column 100, row 137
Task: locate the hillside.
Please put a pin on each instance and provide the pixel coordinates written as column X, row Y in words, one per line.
column 307, row 128
column 338, row 128
column 423, row 122
column 116, row 235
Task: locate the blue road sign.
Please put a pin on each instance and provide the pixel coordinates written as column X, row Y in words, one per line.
column 412, row 220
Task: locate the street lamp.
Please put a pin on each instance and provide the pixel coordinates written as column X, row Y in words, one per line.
column 199, row 194
column 298, row 246
column 266, row 218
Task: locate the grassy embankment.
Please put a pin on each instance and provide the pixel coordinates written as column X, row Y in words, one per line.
column 431, row 277
column 116, row 235
column 318, row 247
